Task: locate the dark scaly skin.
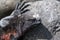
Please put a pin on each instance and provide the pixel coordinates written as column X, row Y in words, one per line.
column 14, row 18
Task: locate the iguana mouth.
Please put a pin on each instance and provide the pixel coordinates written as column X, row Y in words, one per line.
column 7, row 34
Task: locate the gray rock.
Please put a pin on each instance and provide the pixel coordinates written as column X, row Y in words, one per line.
column 48, row 12
column 6, row 6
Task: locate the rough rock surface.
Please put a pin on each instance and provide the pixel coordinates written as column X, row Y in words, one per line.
column 49, row 12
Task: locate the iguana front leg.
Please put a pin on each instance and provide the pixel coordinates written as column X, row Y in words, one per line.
column 6, row 21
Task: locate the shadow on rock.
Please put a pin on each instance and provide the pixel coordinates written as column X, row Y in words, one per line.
column 37, row 32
